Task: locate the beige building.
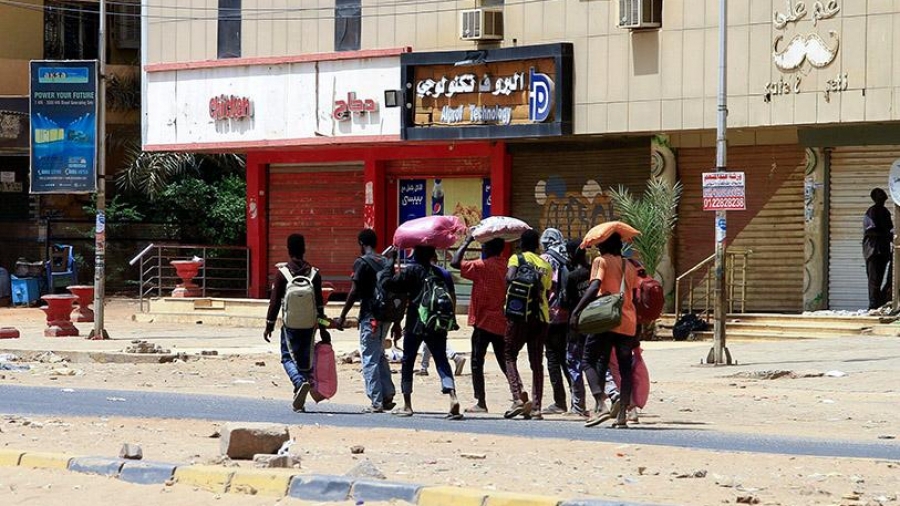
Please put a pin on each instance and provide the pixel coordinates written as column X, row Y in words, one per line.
column 813, row 94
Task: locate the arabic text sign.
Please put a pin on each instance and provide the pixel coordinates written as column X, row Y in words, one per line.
column 724, row 191
column 63, row 126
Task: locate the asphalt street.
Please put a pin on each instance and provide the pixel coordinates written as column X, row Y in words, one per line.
column 45, row 401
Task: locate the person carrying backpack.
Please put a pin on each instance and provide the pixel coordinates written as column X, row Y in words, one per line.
column 486, row 317
column 430, row 315
column 297, row 293
column 554, row 246
column 375, row 316
column 528, row 278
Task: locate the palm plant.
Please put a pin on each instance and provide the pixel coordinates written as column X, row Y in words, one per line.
column 654, row 214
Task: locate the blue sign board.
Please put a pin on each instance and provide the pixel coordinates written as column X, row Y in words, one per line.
column 63, row 126
column 412, row 199
column 486, row 197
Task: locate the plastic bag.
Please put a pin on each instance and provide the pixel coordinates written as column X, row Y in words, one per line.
column 325, row 381
column 640, row 377
column 440, row 232
column 503, row 227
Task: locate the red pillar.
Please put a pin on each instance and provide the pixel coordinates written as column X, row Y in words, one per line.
column 501, row 180
column 257, row 224
column 375, row 210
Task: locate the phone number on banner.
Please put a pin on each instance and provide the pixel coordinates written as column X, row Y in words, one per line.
column 723, row 191
column 724, row 203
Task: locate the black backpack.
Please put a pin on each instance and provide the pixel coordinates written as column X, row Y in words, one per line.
column 436, row 310
column 687, row 325
column 522, row 292
column 387, row 305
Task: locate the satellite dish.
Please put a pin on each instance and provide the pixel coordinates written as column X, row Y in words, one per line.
column 894, row 182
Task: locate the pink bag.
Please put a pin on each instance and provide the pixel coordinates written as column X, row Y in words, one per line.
column 640, row 377
column 325, row 381
column 440, row 232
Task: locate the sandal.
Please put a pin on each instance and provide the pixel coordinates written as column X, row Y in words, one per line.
column 402, row 413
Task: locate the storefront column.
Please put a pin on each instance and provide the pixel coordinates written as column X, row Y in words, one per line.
column 815, row 267
column 663, row 166
column 501, row 180
column 375, row 217
column 257, row 232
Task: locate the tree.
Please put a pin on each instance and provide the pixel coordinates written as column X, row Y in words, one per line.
column 654, row 214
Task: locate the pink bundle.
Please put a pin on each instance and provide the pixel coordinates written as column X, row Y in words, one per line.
column 499, row 227
column 640, row 388
column 440, row 232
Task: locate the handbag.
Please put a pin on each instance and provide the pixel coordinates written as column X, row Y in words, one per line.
column 604, row 313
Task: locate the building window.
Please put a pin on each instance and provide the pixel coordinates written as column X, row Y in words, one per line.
column 70, row 30
column 229, row 39
column 347, row 25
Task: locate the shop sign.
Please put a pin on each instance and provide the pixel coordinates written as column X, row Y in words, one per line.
column 513, row 92
column 63, row 126
column 230, row 107
column 724, row 191
column 343, row 109
column 14, row 122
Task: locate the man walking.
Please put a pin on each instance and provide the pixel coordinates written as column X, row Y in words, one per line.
column 372, row 332
column 554, row 246
column 488, row 276
column 297, row 339
column 529, row 326
column 878, row 233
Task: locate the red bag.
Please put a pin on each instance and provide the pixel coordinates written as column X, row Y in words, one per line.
column 325, row 380
column 649, row 299
column 640, row 377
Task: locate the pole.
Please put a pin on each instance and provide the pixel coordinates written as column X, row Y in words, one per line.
column 99, row 331
column 720, row 353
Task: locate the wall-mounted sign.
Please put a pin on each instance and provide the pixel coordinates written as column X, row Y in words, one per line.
column 513, row 92
column 724, row 191
column 230, row 107
column 14, row 123
column 63, row 126
column 412, row 199
column 343, row 109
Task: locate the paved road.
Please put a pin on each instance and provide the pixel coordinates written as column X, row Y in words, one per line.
column 59, row 402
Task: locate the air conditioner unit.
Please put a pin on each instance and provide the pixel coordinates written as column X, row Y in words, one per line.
column 481, row 24
column 640, row 14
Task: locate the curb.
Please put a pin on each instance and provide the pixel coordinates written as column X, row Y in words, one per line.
column 285, row 482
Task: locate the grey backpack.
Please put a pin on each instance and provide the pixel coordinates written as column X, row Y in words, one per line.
column 298, row 309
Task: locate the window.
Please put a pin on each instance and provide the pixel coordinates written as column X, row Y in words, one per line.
column 347, row 25
column 126, row 24
column 70, row 30
column 229, row 37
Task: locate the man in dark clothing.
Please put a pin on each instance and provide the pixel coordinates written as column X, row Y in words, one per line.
column 411, row 281
column 297, row 346
column 878, row 233
column 375, row 367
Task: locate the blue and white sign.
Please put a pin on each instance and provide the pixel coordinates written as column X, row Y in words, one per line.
column 412, row 199
column 486, row 197
column 540, row 96
column 63, row 126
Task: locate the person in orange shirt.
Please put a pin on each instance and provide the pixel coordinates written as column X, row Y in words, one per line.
column 606, row 278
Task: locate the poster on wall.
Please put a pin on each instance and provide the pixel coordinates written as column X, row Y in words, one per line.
column 412, row 199
column 63, row 116
column 485, row 198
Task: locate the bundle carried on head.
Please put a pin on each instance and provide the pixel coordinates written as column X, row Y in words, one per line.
column 499, row 227
column 440, row 232
column 604, row 231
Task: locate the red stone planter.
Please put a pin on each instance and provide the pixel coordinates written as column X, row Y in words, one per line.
column 8, row 333
column 59, row 310
column 85, row 294
column 187, row 270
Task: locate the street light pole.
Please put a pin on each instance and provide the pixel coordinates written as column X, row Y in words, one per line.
column 100, row 226
column 720, row 354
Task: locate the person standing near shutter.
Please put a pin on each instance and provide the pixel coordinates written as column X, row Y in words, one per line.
column 297, row 345
column 878, row 233
column 610, row 274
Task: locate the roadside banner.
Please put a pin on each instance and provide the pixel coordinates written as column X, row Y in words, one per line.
column 63, row 126
column 724, row 191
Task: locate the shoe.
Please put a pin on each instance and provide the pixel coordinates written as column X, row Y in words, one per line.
column 536, row 415
column 514, row 410
column 553, row 409
column 598, row 417
column 454, row 413
column 632, row 416
column 527, row 405
column 389, row 403
column 421, row 372
column 476, row 409
column 614, row 408
column 460, row 362
column 403, row 413
column 620, row 422
column 299, row 403
column 374, row 408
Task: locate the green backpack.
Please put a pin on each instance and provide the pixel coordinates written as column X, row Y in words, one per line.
column 436, row 310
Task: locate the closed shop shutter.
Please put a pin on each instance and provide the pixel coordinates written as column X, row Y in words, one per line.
column 854, row 172
column 772, row 226
column 568, row 187
column 325, row 204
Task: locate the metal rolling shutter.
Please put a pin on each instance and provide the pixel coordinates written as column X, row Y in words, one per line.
column 325, row 204
column 772, row 226
column 551, row 184
column 854, row 172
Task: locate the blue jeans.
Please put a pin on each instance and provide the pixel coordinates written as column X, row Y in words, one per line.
column 437, row 343
column 375, row 367
column 297, row 354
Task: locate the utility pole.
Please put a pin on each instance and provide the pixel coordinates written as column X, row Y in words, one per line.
column 720, row 354
column 99, row 331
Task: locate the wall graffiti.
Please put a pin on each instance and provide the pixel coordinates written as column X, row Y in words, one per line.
column 573, row 212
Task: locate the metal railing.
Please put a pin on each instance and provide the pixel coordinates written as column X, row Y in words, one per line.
column 735, row 284
column 225, row 270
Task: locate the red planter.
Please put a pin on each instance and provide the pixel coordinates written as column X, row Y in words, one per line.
column 85, row 294
column 187, row 270
column 58, row 311
column 8, row 333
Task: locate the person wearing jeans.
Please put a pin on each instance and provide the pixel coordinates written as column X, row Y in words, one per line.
column 376, row 369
